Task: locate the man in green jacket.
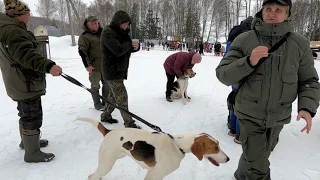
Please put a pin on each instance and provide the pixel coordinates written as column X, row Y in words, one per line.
column 264, row 103
column 91, row 54
column 23, row 71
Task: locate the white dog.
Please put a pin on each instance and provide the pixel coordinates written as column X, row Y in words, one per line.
column 181, row 86
column 160, row 153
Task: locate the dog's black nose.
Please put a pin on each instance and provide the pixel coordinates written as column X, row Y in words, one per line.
column 228, row 159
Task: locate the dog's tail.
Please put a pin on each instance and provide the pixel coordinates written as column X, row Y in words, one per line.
column 104, row 131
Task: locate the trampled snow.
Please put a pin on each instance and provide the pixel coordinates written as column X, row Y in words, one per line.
column 76, row 144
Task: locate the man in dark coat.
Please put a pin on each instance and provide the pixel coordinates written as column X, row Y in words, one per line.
column 117, row 47
column 175, row 65
column 23, row 71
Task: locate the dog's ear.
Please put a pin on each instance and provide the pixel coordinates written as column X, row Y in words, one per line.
column 197, row 149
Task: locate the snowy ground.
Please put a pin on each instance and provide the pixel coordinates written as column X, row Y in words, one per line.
column 76, row 144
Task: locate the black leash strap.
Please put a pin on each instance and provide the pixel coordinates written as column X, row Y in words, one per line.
column 76, row 82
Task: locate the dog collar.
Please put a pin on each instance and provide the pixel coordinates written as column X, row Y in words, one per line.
column 182, row 151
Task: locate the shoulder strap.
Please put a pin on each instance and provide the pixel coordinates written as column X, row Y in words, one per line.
column 275, row 47
column 271, row 50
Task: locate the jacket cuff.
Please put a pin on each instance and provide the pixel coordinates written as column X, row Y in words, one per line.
column 49, row 66
column 311, row 113
column 248, row 61
column 243, row 62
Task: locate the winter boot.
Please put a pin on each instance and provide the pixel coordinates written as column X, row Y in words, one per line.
column 96, row 100
column 169, row 99
column 32, row 147
column 237, row 140
column 131, row 124
column 108, row 119
column 232, row 133
column 43, row 142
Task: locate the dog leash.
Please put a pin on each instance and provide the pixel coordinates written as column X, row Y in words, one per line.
column 76, row 82
column 152, row 126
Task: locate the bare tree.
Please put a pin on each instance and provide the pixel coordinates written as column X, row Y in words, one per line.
column 125, row 5
column 205, row 6
column 46, row 8
column 192, row 20
column 166, row 20
column 61, row 14
column 83, row 13
column 103, row 10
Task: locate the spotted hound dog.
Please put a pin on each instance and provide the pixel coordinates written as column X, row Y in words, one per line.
column 159, row 153
column 180, row 87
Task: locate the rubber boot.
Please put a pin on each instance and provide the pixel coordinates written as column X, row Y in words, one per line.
column 43, row 142
column 32, row 147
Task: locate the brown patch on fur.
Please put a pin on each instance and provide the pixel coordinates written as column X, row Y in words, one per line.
column 204, row 145
column 127, row 145
column 121, row 138
column 188, row 72
column 104, row 131
column 142, row 151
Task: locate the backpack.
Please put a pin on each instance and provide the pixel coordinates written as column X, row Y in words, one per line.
column 244, row 26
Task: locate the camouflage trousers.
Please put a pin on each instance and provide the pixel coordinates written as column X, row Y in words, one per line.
column 117, row 95
column 30, row 113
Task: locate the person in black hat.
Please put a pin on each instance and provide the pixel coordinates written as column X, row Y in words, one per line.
column 268, row 88
column 117, row 46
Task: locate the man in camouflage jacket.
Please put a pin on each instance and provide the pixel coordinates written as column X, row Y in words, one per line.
column 91, row 54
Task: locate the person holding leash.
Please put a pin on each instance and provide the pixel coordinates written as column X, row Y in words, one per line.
column 23, row 71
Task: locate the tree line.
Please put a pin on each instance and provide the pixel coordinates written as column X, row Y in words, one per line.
column 200, row 20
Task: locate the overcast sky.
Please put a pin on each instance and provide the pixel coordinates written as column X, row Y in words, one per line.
column 32, row 5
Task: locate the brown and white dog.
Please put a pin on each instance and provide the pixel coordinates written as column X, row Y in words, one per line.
column 180, row 86
column 160, row 153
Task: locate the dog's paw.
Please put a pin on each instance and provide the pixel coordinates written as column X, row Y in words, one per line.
column 92, row 177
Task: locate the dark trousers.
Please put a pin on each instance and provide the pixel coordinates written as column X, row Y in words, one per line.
column 170, row 81
column 257, row 144
column 95, row 77
column 30, row 113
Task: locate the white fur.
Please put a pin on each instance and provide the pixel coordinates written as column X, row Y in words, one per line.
column 181, row 91
column 167, row 152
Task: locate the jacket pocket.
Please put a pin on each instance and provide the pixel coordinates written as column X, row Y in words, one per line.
column 289, row 88
column 35, row 81
column 252, row 88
